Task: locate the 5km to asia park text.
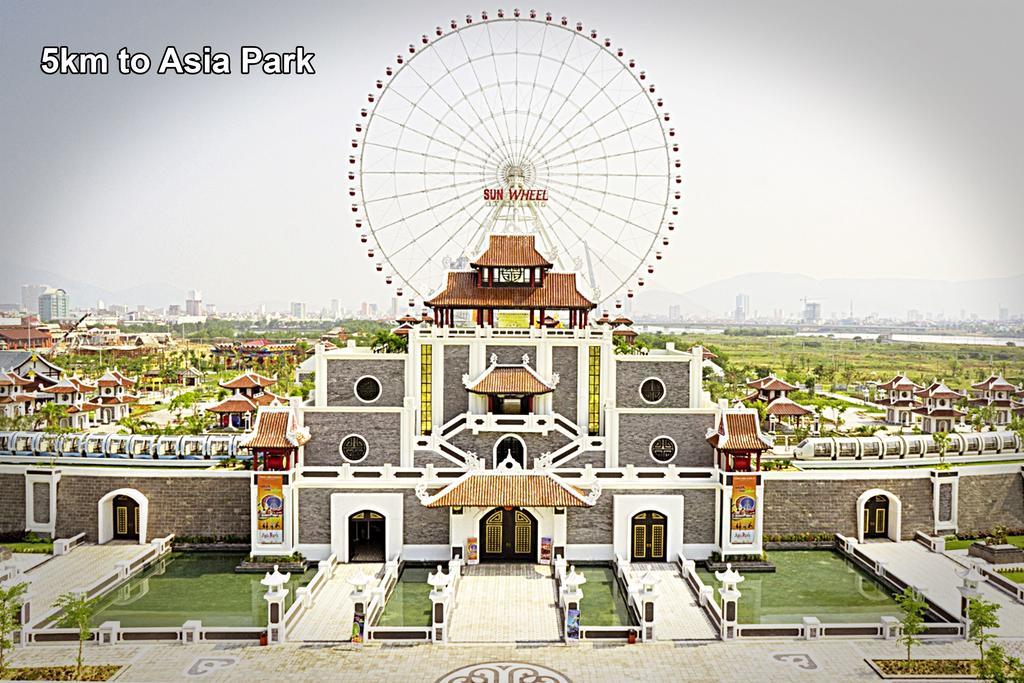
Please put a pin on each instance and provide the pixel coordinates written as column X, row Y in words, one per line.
column 58, row 59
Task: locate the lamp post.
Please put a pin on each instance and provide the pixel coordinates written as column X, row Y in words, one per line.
column 649, row 591
column 571, row 597
column 730, row 597
column 968, row 589
column 275, row 595
column 359, row 596
column 439, row 582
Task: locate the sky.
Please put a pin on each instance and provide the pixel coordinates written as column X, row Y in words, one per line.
column 850, row 140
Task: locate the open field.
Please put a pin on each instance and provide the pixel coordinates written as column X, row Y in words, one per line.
column 846, row 361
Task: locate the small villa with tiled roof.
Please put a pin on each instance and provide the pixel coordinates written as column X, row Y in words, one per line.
column 994, row 393
column 113, row 399
column 779, row 408
column 510, row 388
column 898, row 398
column 939, row 412
column 738, row 441
column 238, row 411
column 72, row 394
column 767, row 389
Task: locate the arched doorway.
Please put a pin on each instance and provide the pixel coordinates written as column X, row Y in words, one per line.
column 508, row 535
column 649, row 531
column 876, row 517
column 126, row 519
column 510, row 452
column 366, row 536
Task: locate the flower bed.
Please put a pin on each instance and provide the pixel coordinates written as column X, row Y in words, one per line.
column 103, row 672
column 926, row 668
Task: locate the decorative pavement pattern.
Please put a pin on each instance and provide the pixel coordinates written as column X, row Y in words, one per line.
column 526, row 611
column 824, row 661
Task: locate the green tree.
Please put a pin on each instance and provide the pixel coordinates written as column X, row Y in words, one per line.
column 942, row 442
column 11, row 598
column 76, row 611
column 385, row 341
column 912, row 623
column 983, row 616
column 50, row 417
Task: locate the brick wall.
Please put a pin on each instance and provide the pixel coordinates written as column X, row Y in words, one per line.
column 456, row 364
column 564, row 362
column 382, row 431
column 12, row 492
column 420, row 525
column 630, row 374
column 191, row 506
column 636, row 431
column 41, row 502
column 342, row 374
column 796, row 506
column 990, row 500
column 595, row 524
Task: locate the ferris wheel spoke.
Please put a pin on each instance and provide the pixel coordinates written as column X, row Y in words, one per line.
column 606, row 157
column 564, row 249
column 443, row 244
column 430, row 136
column 587, row 188
column 412, row 193
column 475, row 190
column 501, row 96
column 547, row 98
column 420, row 173
column 472, row 67
column 584, row 242
column 622, row 219
column 469, row 126
column 616, row 241
column 603, row 138
column 608, row 175
column 411, row 152
column 533, row 89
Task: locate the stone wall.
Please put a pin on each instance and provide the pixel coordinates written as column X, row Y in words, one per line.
column 41, row 502
column 990, row 500
column 688, row 430
column 342, row 374
column 564, row 362
column 382, row 431
column 629, row 374
column 456, row 364
column 188, row 506
column 12, row 492
column 827, row 506
column 596, row 524
column 420, row 525
column 511, row 355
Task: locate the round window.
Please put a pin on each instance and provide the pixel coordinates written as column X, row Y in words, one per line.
column 367, row 389
column 652, row 390
column 353, row 448
column 663, row 449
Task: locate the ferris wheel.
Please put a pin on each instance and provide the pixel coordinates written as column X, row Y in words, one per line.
column 514, row 123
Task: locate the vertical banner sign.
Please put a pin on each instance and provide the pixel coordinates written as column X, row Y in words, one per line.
column 744, row 510
column 572, row 624
column 545, row 550
column 472, row 550
column 358, row 628
column 269, row 509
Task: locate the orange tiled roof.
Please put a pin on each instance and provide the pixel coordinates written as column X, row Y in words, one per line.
column 512, row 250
column 248, row 380
column 738, row 431
column 939, row 390
column 509, row 379
column 899, row 381
column 784, row 407
column 994, row 383
column 487, row 489
column 771, row 383
column 276, row 428
column 558, row 291
column 234, row 404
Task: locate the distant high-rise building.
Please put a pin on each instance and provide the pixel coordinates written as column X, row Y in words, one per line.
column 100, row 305
column 335, row 309
column 812, row 312
column 174, row 310
column 1004, row 314
column 209, row 309
column 914, row 316
column 53, row 305
column 30, row 297
column 194, row 303
column 675, row 312
column 298, row 310
column 742, row 311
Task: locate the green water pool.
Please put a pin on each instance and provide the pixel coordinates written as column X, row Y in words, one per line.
column 409, row 603
column 809, row 583
column 603, row 603
column 185, row 586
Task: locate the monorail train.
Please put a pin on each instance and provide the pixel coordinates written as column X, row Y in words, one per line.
column 887, row 446
column 124, row 446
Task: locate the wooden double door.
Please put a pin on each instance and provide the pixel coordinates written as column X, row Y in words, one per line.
column 126, row 518
column 876, row 517
column 649, row 532
column 508, row 535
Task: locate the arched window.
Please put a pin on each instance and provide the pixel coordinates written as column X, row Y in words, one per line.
column 510, row 452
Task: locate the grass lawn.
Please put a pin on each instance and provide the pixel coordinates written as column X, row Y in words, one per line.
column 1016, row 575
column 41, row 547
column 953, row 543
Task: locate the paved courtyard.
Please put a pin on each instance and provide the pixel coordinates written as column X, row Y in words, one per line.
column 506, row 603
column 330, row 618
column 841, row 660
column 935, row 575
column 679, row 615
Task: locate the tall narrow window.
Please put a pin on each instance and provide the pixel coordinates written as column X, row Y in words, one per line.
column 594, row 391
column 426, row 388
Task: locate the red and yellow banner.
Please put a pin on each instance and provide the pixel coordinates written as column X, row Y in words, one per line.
column 269, row 509
column 743, row 518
